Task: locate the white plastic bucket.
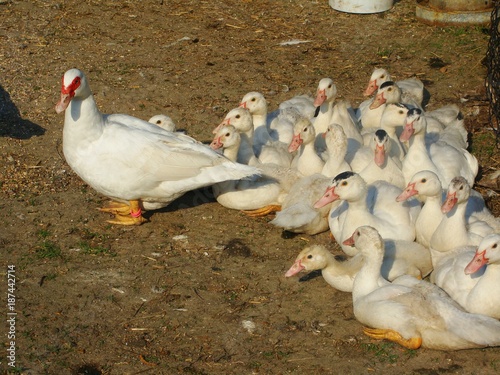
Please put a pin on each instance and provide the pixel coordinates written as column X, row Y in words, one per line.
column 361, row 6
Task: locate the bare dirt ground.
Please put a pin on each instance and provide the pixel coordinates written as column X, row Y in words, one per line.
column 171, row 296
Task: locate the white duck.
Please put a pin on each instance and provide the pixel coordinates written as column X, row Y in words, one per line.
column 373, row 205
column 382, row 166
column 426, row 187
column 242, row 121
column 455, row 230
column 412, row 88
column 298, row 214
column 439, row 157
column 273, row 152
column 444, row 124
column 324, row 102
column 336, row 149
column 133, row 162
column 258, row 196
column 393, row 120
column 304, row 104
column 468, row 274
column 389, row 92
column 271, row 126
column 343, row 115
column 400, row 258
column 393, row 117
column 257, row 105
column 307, row 161
column 163, row 121
column 370, row 113
column 486, row 261
column 412, row 312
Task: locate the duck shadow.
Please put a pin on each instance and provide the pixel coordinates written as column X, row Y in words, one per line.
column 11, row 123
column 191, row 199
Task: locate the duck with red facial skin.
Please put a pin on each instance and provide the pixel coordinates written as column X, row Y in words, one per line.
column 136, row 164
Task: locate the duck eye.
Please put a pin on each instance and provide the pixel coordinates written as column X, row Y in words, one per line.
column 344, row 183
column 382, row 76
column 424, row 180
column 158, row 122
column 305, row 129
column 254, row 99
column 238, row 116
column 401, row 112
column 329, row 86
column 461, row 188
column 389, row 89
column 309, row 256
column 228, row 134
column 494, row 246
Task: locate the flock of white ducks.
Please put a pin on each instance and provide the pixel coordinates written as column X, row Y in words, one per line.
column 390, row 181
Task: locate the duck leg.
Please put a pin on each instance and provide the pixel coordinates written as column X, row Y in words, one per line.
column 116, row 208
column 260, row 212
column 389, row 334
column 131, row 216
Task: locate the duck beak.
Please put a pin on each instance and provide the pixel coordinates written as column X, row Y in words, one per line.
column 295, row 268
column 295, row 144
column 320, row 98
column 216, row 144
column 407, row 132
column 63, row 103
column 243, row 105
column 410, row 191
column 349, row 241
column 328, row 197
column 477, row 262
column 450, row 202
column 378, row 101
column 372, row 87
column 379, row 155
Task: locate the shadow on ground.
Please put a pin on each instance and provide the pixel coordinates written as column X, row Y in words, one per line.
column 12, row 124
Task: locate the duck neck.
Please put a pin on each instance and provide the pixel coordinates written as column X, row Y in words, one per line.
column 430, row 210
column 358, row 202
column 83, row 124
column 341, row 274
column 232, row 152
column 245, row 152
column 248, row 136
column 490, row 277
column 307, row 150
column 418, row 140
column 259, row 120
column 451, row 231
column 366, row 280
column 325, row 110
